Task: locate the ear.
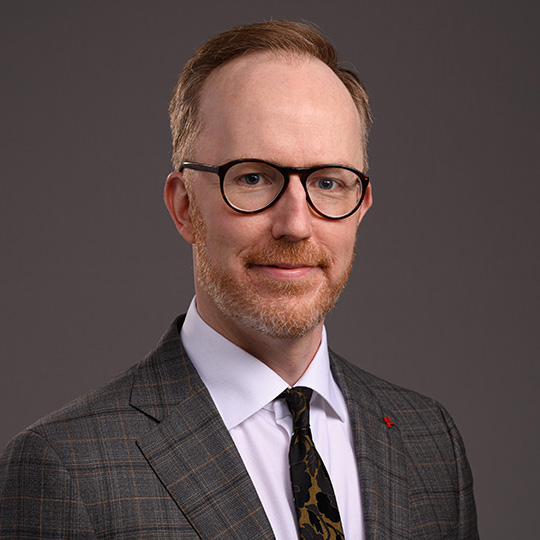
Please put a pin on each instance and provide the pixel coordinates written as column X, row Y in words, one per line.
column 366, row 204
column 177, row 201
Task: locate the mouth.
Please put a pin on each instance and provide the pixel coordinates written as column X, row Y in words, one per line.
column 286, row 266
column 283, row 271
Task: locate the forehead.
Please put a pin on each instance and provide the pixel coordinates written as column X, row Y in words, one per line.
column 261, row 104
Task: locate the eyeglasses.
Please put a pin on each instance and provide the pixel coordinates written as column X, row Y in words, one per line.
column 253, row 185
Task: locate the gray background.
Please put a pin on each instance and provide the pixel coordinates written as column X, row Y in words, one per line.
column 444, row 296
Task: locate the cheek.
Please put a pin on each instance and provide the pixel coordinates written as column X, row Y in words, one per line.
column 339, row 242
column 240, row 231
column 227, row 237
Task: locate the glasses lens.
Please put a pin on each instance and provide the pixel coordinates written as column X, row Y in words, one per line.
column 335, row 192
column 251, row 186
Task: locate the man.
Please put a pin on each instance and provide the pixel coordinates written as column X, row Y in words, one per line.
column 195, row 441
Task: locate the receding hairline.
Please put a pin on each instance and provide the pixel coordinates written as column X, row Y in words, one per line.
column 288, row 57
column 282, row 38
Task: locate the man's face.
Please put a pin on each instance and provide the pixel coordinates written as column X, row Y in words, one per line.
column 280, row 271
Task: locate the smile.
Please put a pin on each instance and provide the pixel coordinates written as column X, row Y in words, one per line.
column 284, row 271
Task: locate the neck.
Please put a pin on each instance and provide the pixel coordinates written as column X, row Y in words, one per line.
column 289, row 357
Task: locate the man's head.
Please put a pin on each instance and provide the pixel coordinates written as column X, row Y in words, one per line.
column 279, row 271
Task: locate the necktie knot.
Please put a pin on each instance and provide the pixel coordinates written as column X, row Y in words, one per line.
column 297, row 400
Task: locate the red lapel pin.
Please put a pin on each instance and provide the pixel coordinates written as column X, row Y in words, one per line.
column 388, row 421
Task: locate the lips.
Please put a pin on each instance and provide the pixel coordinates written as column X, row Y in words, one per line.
column 284, row 271
column 286, row 266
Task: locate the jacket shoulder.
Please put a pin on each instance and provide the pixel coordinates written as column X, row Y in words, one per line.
column 109, row 407
column 433, row 455
column 421, row 419
column 98, row 403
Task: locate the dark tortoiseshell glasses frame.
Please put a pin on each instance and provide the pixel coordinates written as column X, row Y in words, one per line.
column 303, row 172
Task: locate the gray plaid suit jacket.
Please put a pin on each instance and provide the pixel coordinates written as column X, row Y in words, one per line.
column 147, row 456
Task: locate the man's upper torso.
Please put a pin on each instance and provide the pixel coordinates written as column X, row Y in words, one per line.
column 148, row 456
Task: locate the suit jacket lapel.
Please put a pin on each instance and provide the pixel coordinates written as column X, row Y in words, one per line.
column 190, row 448
column 381, row 460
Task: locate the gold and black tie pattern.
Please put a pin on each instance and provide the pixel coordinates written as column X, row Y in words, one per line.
column 314, row 499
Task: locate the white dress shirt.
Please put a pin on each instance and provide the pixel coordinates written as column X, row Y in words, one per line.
column 244, row 391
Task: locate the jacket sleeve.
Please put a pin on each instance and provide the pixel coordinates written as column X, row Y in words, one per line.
column 467, row 525
column 38, row 495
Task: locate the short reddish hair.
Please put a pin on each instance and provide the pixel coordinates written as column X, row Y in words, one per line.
column 279, row 37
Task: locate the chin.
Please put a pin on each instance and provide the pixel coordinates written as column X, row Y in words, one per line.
column 277, row 309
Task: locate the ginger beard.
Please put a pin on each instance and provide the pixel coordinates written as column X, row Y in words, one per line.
column 275, row 308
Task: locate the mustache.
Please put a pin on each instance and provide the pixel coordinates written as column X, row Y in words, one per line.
column 285, row 252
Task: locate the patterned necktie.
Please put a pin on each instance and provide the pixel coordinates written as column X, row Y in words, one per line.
column 316, row 505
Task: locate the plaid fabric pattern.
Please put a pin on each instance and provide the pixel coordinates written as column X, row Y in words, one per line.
column 415, row 478
column 147, row 456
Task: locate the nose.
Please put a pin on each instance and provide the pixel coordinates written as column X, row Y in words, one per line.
column 292, row 217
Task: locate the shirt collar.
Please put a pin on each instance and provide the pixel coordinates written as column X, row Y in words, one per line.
column 241, row 385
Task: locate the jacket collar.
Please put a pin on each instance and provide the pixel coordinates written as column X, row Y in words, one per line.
column 190, row 449
column 380, row 455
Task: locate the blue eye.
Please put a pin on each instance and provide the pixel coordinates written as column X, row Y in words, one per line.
column 251, row 179
column 326, row 184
